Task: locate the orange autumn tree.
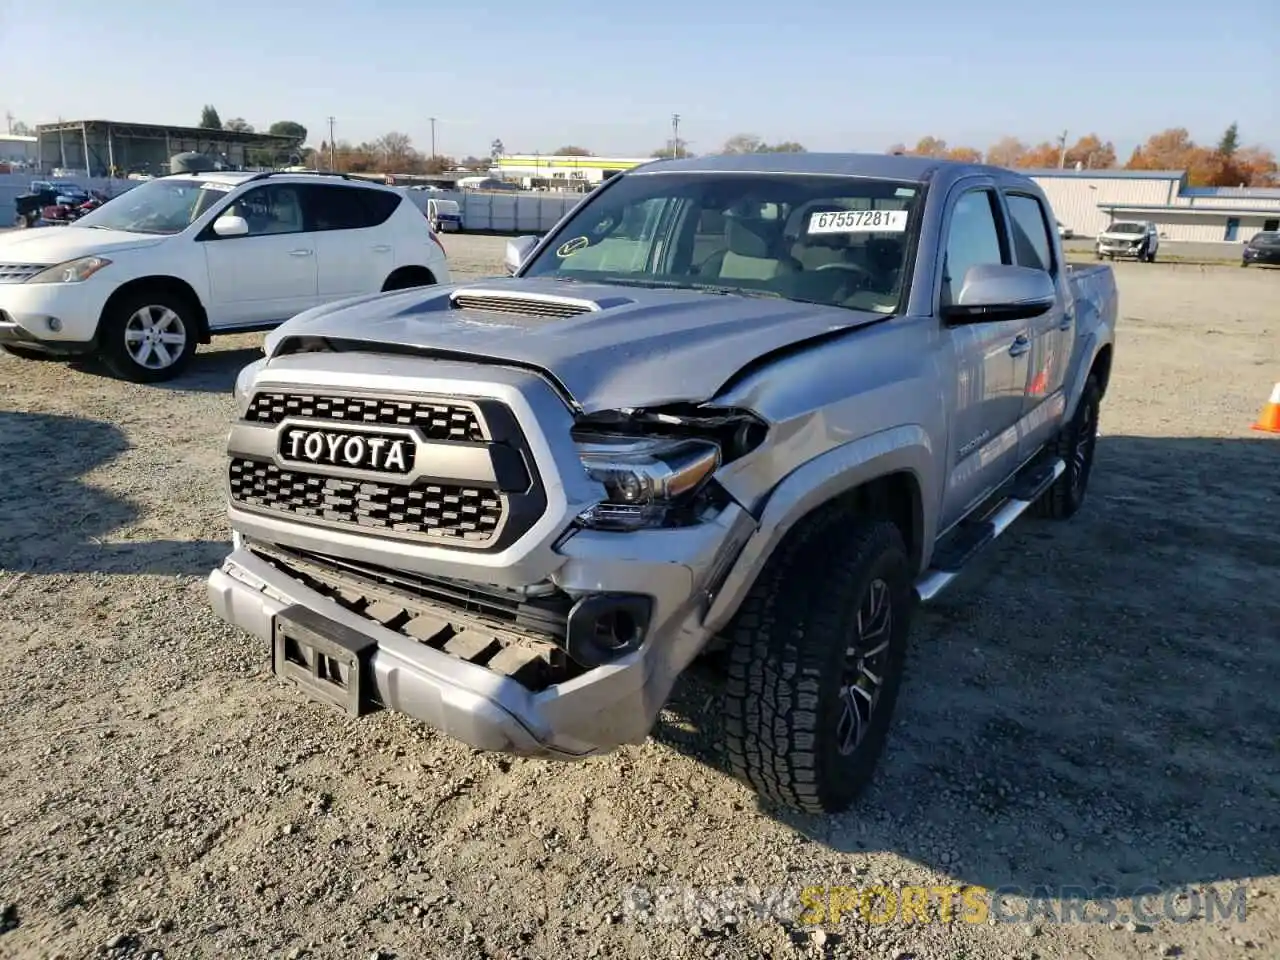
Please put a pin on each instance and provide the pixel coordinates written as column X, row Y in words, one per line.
column 935, row 147
column 1226, row 165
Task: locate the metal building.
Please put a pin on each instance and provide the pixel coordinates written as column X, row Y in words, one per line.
column 94, row 148
column 1088, row 200
column 552, row 172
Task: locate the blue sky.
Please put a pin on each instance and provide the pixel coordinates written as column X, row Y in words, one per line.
column 607, row 76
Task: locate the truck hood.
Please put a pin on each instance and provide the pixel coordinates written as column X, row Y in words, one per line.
column 59, row 244
column 609, row 347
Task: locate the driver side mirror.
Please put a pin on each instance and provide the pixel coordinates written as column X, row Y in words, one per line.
column 231, row 226
column 1001, row 291
column 518, row 251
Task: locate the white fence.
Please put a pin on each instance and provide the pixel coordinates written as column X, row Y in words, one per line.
column 499, row 212
column 511, row 212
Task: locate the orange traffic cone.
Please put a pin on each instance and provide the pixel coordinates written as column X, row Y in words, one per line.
column 1269, row 419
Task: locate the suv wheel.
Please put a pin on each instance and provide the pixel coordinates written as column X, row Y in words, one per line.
column 148, row 337
column 1075, row 444
column 815, row 658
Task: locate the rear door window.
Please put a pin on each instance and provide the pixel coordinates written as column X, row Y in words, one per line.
column 349, row 208
column 1031, row 242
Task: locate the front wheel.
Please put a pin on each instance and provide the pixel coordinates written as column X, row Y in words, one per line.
column 1075, row 445
column 148, row 337
column 816, row 656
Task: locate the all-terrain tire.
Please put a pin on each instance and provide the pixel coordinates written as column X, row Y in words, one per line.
column 120, row 318
column 787, row 663
column 1076, row 445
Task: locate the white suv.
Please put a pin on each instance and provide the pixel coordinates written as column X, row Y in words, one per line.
column 151, row 273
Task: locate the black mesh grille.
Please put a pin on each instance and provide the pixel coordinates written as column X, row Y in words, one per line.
column 437, row 421
column 527, row 307
column 435, row 510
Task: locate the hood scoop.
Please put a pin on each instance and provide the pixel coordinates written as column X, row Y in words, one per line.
column 530, row 304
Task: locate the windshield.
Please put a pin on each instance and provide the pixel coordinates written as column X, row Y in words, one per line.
column 840, row 241
column 1126, row 228
column 162, row 206
column 1266, row 239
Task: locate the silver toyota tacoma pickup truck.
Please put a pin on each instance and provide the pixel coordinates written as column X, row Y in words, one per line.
column 759, row 406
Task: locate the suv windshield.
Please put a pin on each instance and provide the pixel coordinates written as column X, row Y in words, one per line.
column 164, row 206
column 1126, row 228
column 840, row 241
column 1265, row 239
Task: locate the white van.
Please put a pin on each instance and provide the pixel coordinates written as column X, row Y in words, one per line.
column 445, row 215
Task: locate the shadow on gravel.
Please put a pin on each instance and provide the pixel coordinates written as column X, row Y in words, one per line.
column 52, row 522
column 1093, row 704
column 211, row 370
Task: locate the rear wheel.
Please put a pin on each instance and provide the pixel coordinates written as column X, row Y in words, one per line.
column 407, row 279
column 1075, row 445
column 815, row 660
column 148, row 337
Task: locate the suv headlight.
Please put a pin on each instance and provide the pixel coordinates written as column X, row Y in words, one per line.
column 73, row 271
column 645, row 479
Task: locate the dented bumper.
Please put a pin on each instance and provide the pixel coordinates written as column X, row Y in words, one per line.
column 473, row 686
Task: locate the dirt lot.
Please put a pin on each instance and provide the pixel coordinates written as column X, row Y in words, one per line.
column 1094, row 706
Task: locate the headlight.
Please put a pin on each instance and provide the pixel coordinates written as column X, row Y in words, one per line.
column 644, row 479
column 244, row 380
column 73, row 271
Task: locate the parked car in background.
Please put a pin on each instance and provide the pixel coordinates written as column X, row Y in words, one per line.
column 151, row 273
column 1129, row 238
column 760, row 405
column 1064, row 232
column 1262, row 247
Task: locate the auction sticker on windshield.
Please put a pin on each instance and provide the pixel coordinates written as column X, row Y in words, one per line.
column 859, row 221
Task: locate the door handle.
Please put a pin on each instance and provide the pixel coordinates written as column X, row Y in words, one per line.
column 382, row 248
column 1021, row 344
column 299, row 253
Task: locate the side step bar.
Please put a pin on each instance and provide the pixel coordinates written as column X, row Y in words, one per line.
column 969, row 539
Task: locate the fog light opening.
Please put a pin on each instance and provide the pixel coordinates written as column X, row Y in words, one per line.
column 617, row 630
column 54, row 324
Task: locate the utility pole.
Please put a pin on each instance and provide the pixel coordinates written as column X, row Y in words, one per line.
column 433, row 137
column 675, row 135
column 333, row 150
column 8, row 117
column 1062, row 150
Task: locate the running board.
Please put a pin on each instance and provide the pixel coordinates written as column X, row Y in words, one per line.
column 969, row 539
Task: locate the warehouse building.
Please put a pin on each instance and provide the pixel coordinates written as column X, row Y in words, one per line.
column 16, row 149
column 538, row 172
column 94, row 148
column 1087, row 200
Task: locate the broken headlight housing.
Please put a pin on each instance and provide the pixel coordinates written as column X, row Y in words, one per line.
column 648, row 481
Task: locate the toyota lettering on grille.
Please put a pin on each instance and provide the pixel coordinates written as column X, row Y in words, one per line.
column 355, row 450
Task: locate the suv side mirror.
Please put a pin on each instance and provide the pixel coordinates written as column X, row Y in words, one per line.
column 1001, row 291
column 518, row 251
column 231, row 226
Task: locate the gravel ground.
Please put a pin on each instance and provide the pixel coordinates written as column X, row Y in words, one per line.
column 1094, row 705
